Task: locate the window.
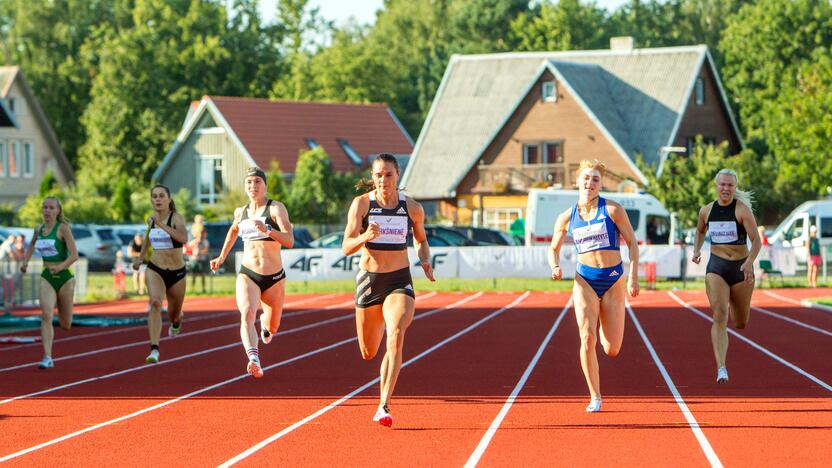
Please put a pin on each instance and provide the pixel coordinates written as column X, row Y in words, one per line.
column 351, row 153
column 10, row 105
column 658, row 229
column 14, row 159
column 826, row 227
column 4, row 160
column 549, row 91
column 210, row 178
column 699, row 91
column 634, row 216
column 28, row 160
column 530, row 155
column 311, row 143
column 80, row 233
column 552, row 153
column 500, row 219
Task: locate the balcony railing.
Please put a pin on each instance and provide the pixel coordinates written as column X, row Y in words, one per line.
column 519, row 178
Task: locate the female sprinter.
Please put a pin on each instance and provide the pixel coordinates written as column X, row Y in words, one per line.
column 729, row 277
column 54, row 242
column 595, row 224
column 378, row 225
column 264, row 226
column 166, row 270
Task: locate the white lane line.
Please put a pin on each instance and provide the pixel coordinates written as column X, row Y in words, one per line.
column 367, row 385
column 791, row 320
column 225, row 382
column 803, row 302
column 140, row 327
column 186, row 334
column 765, row 351
column 710, row 454
column 495, row 424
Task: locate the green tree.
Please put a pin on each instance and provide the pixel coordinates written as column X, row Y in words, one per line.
column 567, row 25
column 276, row 185
column 121, row 207
column 302, row 25
column 48, row 184
column 309, row 195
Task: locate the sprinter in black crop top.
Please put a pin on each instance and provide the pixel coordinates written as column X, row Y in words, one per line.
column 378, row 226
column 729, row 277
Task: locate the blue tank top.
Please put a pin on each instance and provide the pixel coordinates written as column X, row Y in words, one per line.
column 599, row 233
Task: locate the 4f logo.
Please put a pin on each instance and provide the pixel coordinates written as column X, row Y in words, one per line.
column 347, row 263
column 435, row 259
column 306, row 263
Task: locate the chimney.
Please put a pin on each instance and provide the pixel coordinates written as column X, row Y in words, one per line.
column 623, row 43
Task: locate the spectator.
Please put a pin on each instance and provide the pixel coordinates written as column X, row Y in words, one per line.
column 198, row 226
column 18, row 249
column 198, row 260
column 119, row 274
column 134, row 251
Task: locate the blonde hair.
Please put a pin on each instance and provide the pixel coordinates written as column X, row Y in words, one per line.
column 593, row 164
column 60, row 218
column 744, row 196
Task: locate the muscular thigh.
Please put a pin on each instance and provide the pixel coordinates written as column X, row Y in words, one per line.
column 155, row 285
column 369, row 323
column 741, row 299
column 718, row 293
column 65, row 298
column 272, row 298
column 611, row 313
column 248, row 293
column 398, row 310
column 586, row 303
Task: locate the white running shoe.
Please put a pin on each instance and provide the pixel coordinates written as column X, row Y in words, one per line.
column 153, row 357
column 46, row 363
column 266, row 336
column 383, row 416
column 254, row 369
column 722, row 375
column 594, row 405
column 173, row 331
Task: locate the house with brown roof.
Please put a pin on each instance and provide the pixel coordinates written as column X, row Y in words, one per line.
column 503, row 123
column 28, row 146
column 223, row 136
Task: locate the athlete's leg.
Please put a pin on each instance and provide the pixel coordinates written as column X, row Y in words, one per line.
column 718, row 296
column 398, row 312
column 65, row 298
column 176, row 298
column 248, row 301
column 48, row 299
column 612, row 317
column 740, row 300
column 587, row 307
column 272, row 302
column 156, row 290
column 369, row 325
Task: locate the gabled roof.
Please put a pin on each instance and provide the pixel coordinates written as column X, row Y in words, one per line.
column 636, row 97
column 269, row 130
column 8, row 76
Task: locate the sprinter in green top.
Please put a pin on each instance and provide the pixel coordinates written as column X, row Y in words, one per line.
column 54, row 242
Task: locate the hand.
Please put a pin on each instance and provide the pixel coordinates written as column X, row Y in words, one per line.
column 54, row 269
column 261, row 226
column 24, row 267
column 150, row 219
column 557, row 273
column 632, row 285
column 747, row 269
column 428, row 271
column 137, row 263
column 215, row 263
column 373, row 232
column 697, row 257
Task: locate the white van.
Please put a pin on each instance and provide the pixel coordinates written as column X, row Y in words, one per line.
column 651, row 221
column 794, row 230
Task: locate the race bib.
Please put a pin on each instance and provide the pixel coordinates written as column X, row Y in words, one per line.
column 249, row 232
column 46, row 247
column 393, row 229
column 723, row 232
column 160, row 240
column 591, row 237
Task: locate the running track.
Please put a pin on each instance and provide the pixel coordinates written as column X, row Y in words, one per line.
column 490, row 379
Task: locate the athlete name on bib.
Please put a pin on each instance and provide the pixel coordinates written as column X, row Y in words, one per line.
column 591, row 237
column 46, row 247
column 392, row 229
column 723, row 232
column 248, row 231
column 160, row 240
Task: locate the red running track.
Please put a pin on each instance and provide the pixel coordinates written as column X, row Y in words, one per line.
column 483, row 384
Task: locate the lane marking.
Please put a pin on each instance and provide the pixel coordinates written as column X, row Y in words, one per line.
column 704, row 444
column 791, row 320
column 495, row 424
column 760, row 348
column 225, row 382
column 802, row 302
column 367, row 385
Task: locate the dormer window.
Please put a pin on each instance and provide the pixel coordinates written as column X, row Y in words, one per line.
column 549, row 91
column 699, row 91
column 10, row 105
column 312, row 143
column 351, row 153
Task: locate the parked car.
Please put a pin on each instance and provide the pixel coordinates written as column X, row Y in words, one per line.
column 125, row 234
column 486, row 236
column 98, row 244
column 449, row 235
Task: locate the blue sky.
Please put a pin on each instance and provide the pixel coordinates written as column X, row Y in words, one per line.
column 365, row 10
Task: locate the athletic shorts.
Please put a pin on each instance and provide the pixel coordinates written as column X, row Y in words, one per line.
column 373, row 288
column 729, row 270
column 600, row 279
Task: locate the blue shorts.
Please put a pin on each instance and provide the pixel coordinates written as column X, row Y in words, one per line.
column 601, row 279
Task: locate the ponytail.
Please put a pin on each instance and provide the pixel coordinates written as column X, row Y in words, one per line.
column 172, row 205
column 367, row 185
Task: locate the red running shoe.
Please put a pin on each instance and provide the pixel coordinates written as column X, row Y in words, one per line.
column 254, row 369
column 383, row 416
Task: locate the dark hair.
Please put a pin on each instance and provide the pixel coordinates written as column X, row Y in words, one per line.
column 366, row 185
column 256, row 172
column 172, row 206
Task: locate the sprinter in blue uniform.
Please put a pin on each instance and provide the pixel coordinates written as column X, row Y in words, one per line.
column 595, row 224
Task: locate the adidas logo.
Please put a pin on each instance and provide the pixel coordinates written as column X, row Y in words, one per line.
column 614, row 273
column 401, row 211
column 375, row 210
column 409, row 287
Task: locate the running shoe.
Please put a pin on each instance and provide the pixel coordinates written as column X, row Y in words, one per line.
column 594, row 405
column 722, row 375
column 153, row 357
column 174, row 330
column 383, row 416
column 46, row 363
column 265, row 336
column 254, row 369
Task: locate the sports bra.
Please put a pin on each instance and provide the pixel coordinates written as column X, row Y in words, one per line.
column 161, row 240
column 599, row 233
column 248, row 232
column 723, row 227
column 394, row 224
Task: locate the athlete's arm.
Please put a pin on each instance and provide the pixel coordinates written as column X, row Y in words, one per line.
column 559, row 234
column 746, row 217
column 177, row 232
column 286, row 237
column 701, row 229
column 622, row 222
column 29, row 250
column 137, row 262
column 230, row 238
column 353, row 238
column 65, row 234
column 420, row 238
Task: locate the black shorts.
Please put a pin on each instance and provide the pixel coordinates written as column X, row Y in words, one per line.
column 729, row 270
column 263, row 282
column 170, row 277
column 373, row 288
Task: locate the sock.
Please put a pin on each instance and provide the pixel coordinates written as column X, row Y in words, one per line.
column 253, row 354
column 154, row 346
